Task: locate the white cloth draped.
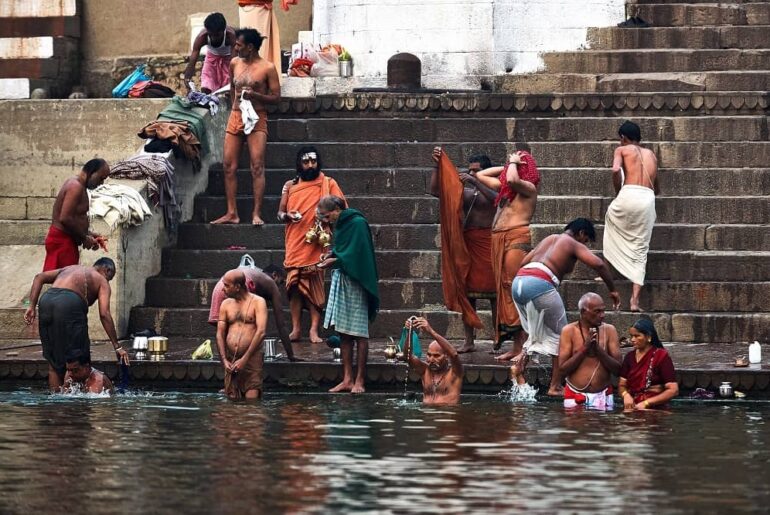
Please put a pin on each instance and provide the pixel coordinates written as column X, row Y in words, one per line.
column 627, row 231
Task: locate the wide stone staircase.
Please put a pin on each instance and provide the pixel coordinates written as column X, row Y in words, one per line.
column 696, row 82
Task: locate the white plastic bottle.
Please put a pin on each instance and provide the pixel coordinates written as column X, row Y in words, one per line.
column 755, row 353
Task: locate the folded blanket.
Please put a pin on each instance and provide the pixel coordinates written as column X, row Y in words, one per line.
column 117, row 205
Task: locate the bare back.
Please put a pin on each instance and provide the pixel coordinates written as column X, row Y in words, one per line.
column 71, row 204
column 515, row 213
column 256, row 75
column 640, row 166
column 591, row 375
column 83, row 280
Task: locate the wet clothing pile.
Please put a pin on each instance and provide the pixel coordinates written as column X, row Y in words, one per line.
column 179, row 133
column 117, row 205
column 161, row 182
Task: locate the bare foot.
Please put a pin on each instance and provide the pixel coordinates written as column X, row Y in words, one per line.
column 635, row 306
column 506, row 357
column 358, row 388
column 467, row 348
column 314, row 338
column 556, row 391
column 257, row 220
column 227, row 219
column 342, row 387
column 294, row 336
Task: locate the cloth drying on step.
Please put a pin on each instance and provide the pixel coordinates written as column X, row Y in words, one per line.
column 117, row 205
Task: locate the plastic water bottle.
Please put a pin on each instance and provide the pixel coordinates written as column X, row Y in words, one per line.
column 755, row 353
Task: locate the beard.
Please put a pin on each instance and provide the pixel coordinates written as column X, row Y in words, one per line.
column 309, row 174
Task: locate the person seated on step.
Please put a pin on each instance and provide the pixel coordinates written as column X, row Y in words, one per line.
column 465, row 239
column 254, row 83
column 81, row 377
column 267, row 284
column 536, row 296
column 306, row 238
column 220, row 40
column 442, row 372
column 589, row 354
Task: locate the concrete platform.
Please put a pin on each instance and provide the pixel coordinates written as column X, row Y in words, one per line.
column 698, row 366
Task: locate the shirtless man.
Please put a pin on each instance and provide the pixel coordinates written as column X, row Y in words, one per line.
column 263, row 283
column 631, row 215
column 240, row 332
column 82, row 377
column 589, row 353
column 537, row 298
column 69, row 221
column 511, row 240
column 255, row 79
column 478, row 214
column 442, row 373
column 63, row 322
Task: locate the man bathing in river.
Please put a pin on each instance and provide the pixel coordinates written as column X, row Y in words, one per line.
column 537, row 298
column 589, row 353
column 82, row 377
column 442, row 373
column 240, row 334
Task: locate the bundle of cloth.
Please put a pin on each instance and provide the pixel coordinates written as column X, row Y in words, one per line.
column 150, row 89
column 161, row 182
column 117, row 205
column 179, row 133
column 211, row 102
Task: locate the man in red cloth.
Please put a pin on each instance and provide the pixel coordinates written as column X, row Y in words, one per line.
column 69, row 222
column 467, row 208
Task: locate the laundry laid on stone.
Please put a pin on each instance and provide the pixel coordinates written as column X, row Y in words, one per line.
column 161, row 181
column 117, row 204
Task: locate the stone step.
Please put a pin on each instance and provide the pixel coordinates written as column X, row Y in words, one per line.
column 656, row 60
column 632, row 3
column 473, row 129
column 685, row 14
column 23, row 232
column 554, row 209
column 707, row 37
column 548, row 82
column 679, row 265
column 586, row 154
column 659, row 296
column 426, row 236
column 555, row 181
column 680, row 327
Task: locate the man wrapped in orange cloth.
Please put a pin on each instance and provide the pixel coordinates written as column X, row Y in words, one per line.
column 305, row 243
column 258, row 14
column 466, row 213
column 511, row 240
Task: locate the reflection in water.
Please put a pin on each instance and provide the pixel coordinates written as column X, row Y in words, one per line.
column 185, row 453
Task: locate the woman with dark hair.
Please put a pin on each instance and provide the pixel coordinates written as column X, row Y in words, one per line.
column 647, row 375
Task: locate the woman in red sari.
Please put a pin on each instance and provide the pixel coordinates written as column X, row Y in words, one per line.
column 647, row 375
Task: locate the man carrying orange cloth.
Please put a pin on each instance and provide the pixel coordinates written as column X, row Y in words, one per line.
column 306, row 239
column 466, row 210
column 511, row 240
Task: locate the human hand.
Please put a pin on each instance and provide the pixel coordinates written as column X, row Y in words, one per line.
column 514, row 158
column 419, row 323
column 326, row 263
column 294, row 216
column 436, row 154
column 467, row 178
column 227, row 365
column 30, row 314
column 238, row 365
column 628, row 402
column 615, row 296
column 641, row 405
column 122, row 356
column 90, row 243
column 101, row 241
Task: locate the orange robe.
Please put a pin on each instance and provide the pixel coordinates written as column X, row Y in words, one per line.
column 481, row 280
column 455, row 257
column 302, row 257
column 258, row 14
column 509, row 247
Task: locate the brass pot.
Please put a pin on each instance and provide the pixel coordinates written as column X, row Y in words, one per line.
column 324, row 238
column 390, row 351
column 311, row 235
column 157, row 344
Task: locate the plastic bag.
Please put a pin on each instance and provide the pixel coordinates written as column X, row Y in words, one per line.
column 122, row 89
column 247, row 262
column 327, row 64
column 203, row 351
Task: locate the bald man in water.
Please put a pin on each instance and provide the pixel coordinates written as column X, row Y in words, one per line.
column 240, row 333
column 442, row 373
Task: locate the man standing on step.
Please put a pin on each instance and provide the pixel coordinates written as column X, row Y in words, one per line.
column 63, row 321
column 254, row 83
column 305, row 243
column 631, row 216
column 517, row 183
column 354, row 296
column 69, row 222
column 240, row 335
column 265, row 283
column 466, row 213
column 537, row 299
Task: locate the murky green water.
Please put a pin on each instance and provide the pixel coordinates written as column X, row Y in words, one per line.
column 188, row 453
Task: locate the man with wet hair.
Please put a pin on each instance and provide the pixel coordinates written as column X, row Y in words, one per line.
column 81, row 377
column 220, row 40
column 255, row 80
column 69, row 221
column 467, row 207
column 266, row 284
column 304, row 243
column 240, row 336
column 589, row 354
column 442, row 372
column 537, row 299
column 63, row 321
column 631, row 216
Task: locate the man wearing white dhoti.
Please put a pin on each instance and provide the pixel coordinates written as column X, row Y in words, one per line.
column 631, row 216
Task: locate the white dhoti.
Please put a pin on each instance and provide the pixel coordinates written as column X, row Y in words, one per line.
column 627, row 231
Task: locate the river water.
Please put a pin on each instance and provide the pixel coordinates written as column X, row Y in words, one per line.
column 198, row 453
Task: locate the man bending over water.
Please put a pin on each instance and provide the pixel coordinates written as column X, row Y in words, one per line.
column 589, row 353
column 82, row 377
column 240, row 332
column 442, row 373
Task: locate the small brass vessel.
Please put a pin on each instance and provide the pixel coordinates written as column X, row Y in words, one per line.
column 390, row 352
column 157, row 346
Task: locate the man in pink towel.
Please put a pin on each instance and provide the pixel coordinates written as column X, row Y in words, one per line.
column 216, row 66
